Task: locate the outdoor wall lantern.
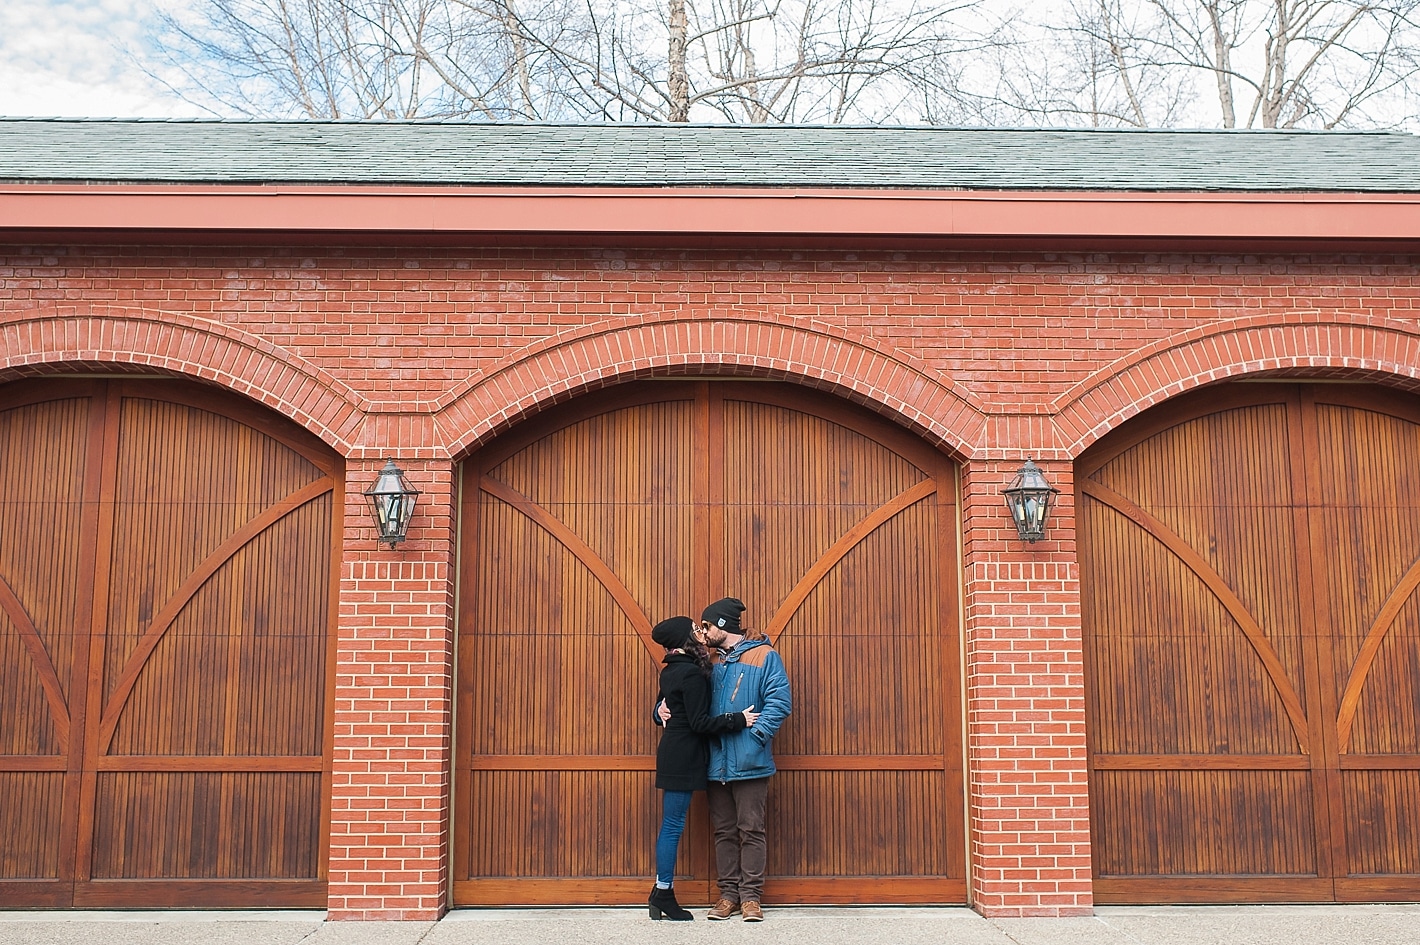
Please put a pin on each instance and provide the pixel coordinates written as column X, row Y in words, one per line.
column 391, row 501
column 1028, row 498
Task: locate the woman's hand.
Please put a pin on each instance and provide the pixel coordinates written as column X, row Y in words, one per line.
column 750, row 716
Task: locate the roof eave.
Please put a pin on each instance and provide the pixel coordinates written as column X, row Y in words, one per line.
column 330, row 211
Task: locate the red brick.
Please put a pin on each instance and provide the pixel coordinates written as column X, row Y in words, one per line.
column 424, row 354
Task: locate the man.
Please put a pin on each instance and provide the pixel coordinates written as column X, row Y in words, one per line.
column 749, row 673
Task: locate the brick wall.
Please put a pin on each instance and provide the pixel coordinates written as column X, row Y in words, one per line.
column 1025, row 702
column 408, row 326
column 423, row 355
column 393, row 707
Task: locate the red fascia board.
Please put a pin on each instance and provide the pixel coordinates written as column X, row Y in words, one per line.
column 114, row 209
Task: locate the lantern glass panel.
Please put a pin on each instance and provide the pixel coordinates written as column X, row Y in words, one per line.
column 391, row 500
column 1028, row 499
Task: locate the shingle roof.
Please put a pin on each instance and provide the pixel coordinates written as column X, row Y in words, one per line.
column 657, row 155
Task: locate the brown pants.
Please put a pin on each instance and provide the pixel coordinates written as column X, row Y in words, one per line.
column 737, row 814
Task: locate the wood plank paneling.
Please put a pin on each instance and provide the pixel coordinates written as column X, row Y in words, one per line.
column 1383, row 822
column 1249, row 560
column 1365, row 512
column 1176, row 673
column 39, row 568
column 254, row 633
column 46, row 433
column 572, row 637
column 874, row 606
column 207, row 825
column 190, row 556
column 621, row 481
column 1204, row 823
column 563, row 824
column 31, row 822
column 586, row 526
column 837, row 823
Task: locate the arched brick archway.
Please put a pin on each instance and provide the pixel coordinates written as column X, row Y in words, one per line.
column 40, row 342
column 1302, row 344
column 854, row 367
column 857, row 368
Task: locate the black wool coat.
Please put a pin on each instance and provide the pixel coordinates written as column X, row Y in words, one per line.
column 684, row 752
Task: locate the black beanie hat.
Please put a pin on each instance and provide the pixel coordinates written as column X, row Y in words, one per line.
column 673, row 632
column 725, row 614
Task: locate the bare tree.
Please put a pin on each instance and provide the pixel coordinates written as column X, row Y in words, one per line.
column 357, row 58
column 1076, row 68
column 1222, row 63
column 1097, row 63
column 761, row 60
column 670, row 60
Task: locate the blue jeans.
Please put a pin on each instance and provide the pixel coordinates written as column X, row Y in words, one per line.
column 674, row 806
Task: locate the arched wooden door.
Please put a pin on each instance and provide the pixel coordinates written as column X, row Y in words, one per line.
column 588, row 525
column 1249, row 561
column 166, row 593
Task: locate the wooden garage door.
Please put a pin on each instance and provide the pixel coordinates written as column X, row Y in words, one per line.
column 165, row 602
column 582, row 530
column 1249, row 561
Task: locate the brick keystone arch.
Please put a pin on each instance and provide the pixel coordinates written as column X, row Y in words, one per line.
column 181, row 344
column 1300, row 344
column 733, row 344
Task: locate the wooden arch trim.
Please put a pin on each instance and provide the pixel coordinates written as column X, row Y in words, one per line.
column 1272, row 664
column 39, row 656
column 580, row 550
column 850, row 540
column 133, row 666
column 1370, row 649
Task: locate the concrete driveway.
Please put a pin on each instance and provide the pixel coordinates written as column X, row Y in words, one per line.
column 1115, row 925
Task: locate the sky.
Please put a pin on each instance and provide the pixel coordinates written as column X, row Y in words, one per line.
column 77, row 58
column 71, row 58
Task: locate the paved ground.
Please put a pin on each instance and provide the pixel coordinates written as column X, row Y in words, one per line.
column 1196, row 925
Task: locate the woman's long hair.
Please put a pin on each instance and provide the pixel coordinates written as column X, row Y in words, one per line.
column 701, row 653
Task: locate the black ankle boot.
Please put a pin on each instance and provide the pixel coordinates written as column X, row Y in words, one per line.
column 663, row 904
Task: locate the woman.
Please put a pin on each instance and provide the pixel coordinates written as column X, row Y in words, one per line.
column 684, row 752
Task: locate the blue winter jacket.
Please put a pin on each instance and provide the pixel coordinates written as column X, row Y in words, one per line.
column 752, row 674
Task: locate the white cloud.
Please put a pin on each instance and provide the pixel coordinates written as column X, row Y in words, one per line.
column 71, row 58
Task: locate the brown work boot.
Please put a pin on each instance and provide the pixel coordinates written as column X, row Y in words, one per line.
column 725, row 908
column 752, row 911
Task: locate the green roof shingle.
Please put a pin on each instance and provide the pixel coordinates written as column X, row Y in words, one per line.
column 658, row 155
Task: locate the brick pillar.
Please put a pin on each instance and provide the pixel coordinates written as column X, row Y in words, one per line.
column 1029, row 809
column 393, row 708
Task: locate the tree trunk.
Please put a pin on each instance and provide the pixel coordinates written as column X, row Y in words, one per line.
column 677, row 80
column 1222, row 65
column 514, row 30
